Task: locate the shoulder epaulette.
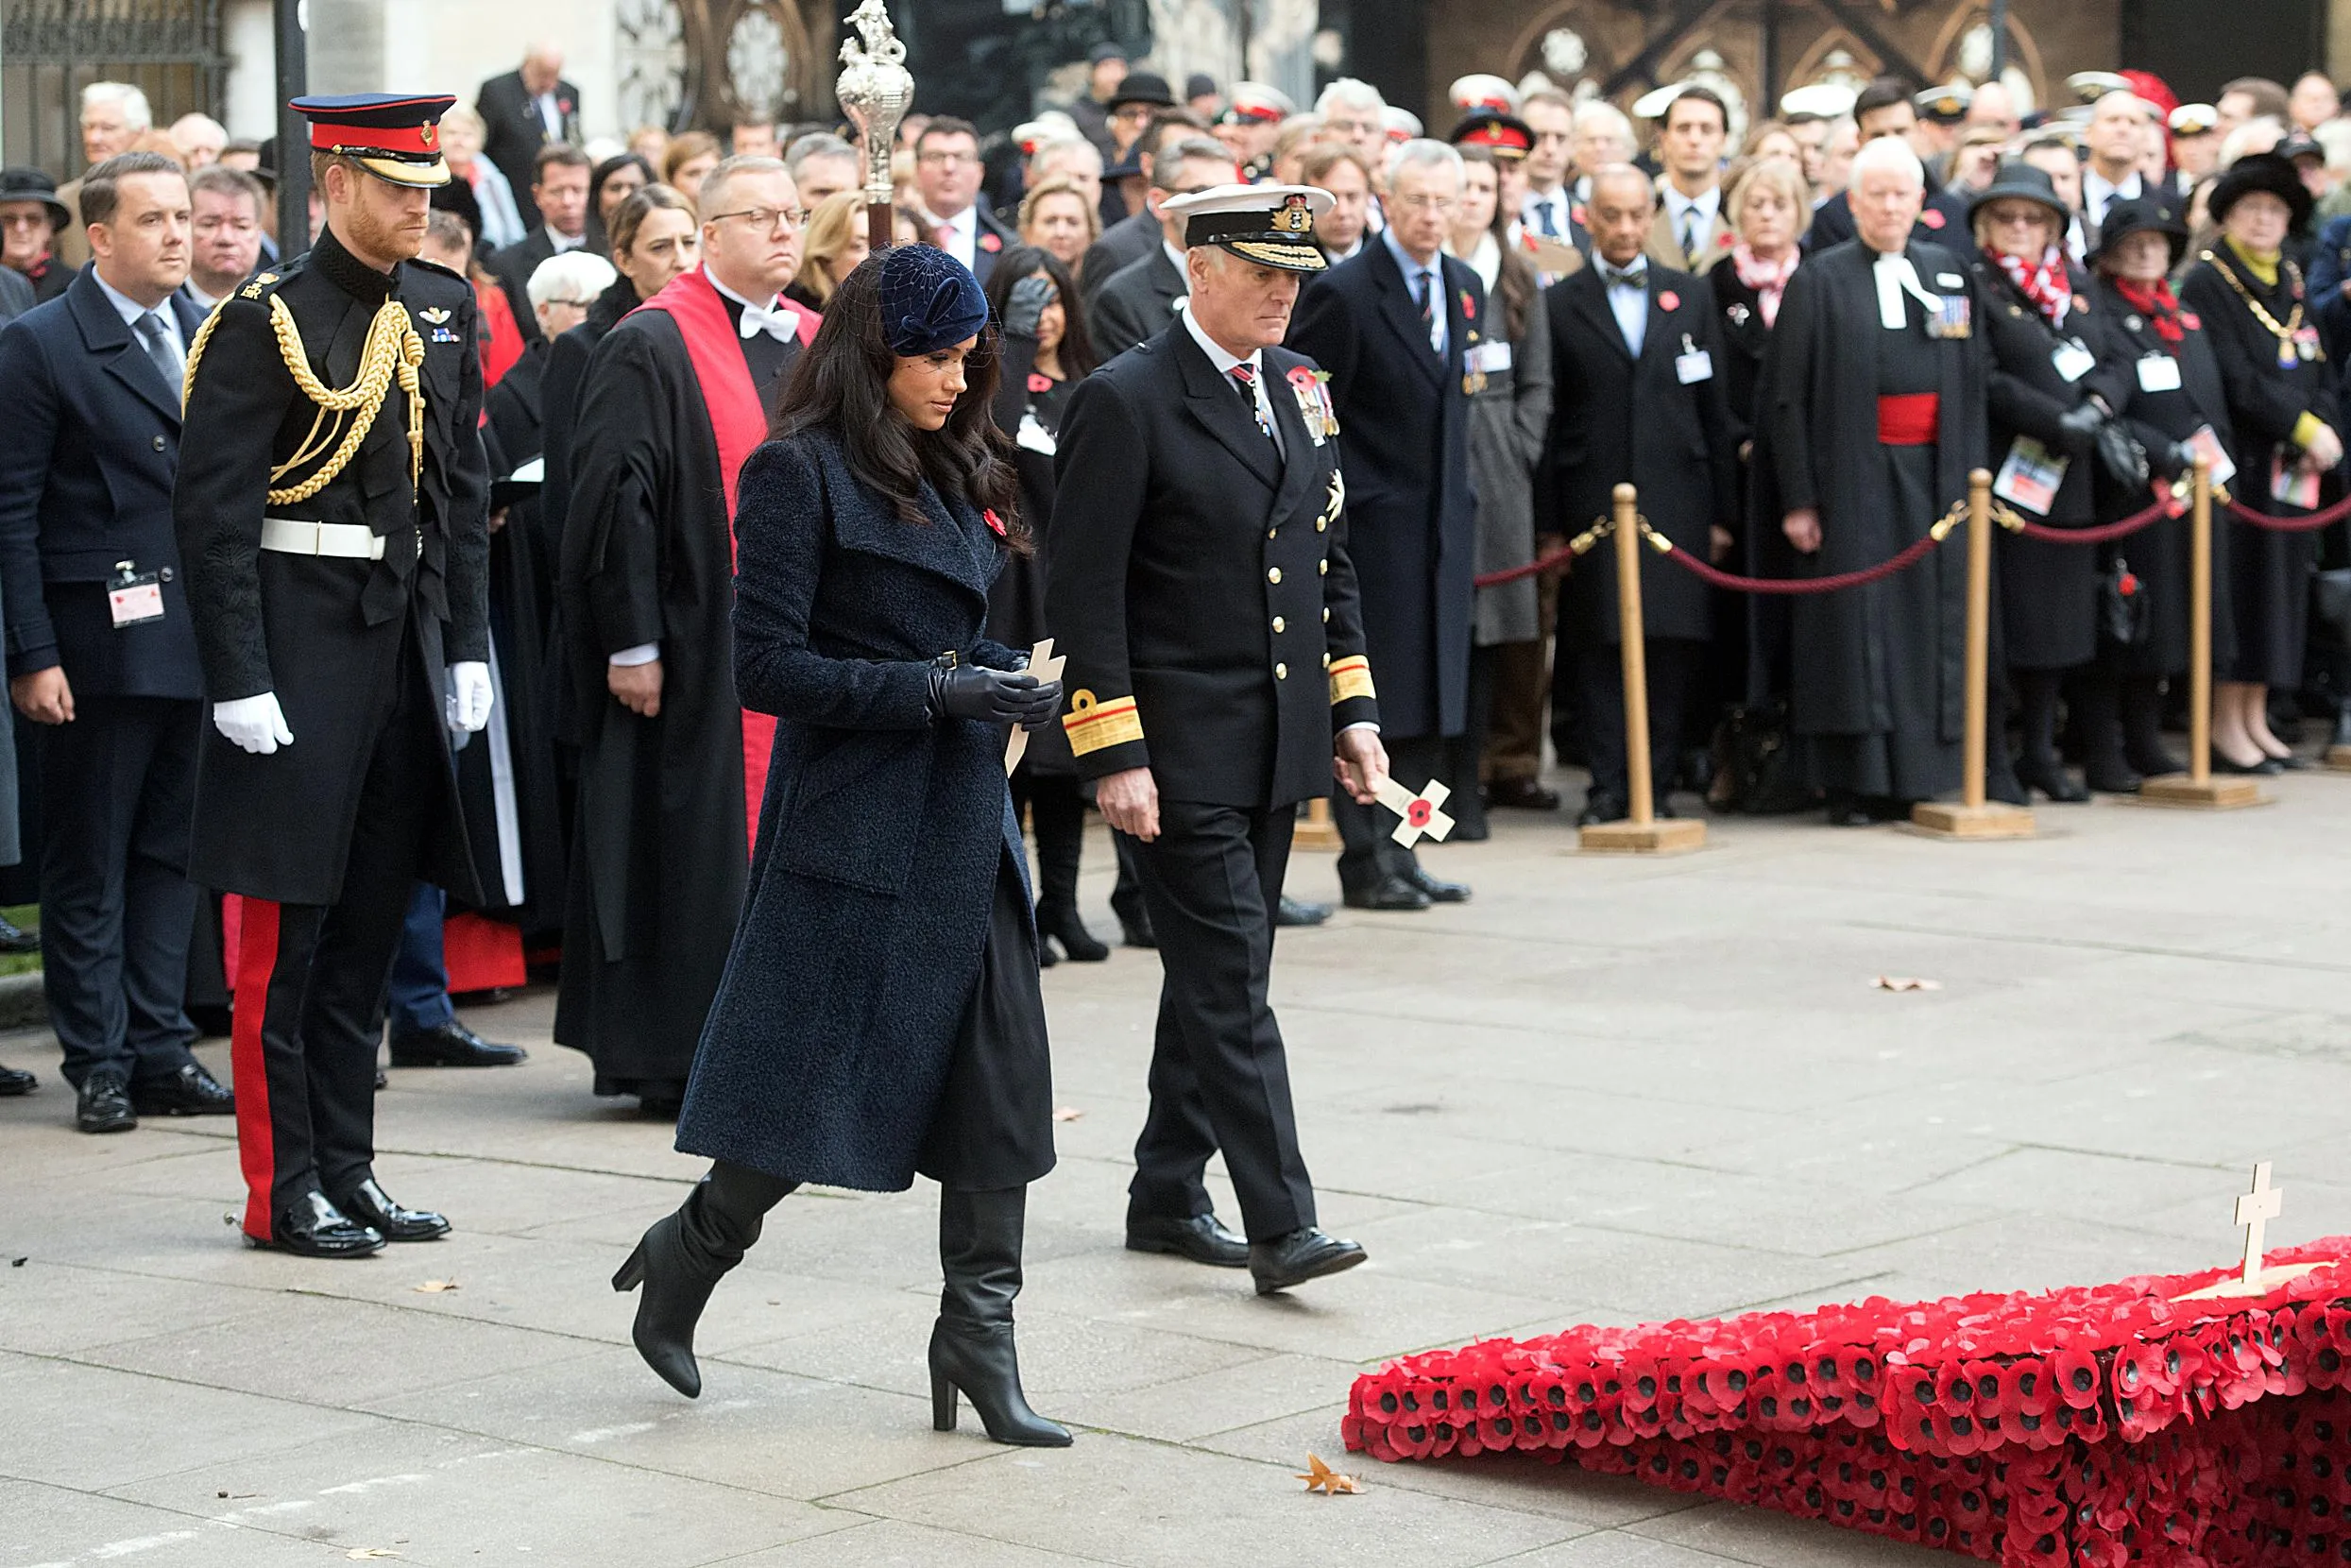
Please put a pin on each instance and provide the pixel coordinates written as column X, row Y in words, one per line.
column 262, row 283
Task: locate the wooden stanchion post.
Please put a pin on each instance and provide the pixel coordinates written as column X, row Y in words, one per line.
column 2197, row 789
column 1642, row 833
column 1316, row 830
column 1975, row 817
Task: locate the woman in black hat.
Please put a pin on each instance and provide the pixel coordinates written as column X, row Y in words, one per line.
column 31, row 217
column 2174, row 402
column 879, row 1015
column 2283, row 418
column 2055, row 380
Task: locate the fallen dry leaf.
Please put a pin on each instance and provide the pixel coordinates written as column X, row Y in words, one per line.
column 362, row 1554
column 1322, row 1478
column 1903, row 982
column 1066, row 1112
column 434, row 1286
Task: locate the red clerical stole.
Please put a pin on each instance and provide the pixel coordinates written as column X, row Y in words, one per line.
column 739, row 423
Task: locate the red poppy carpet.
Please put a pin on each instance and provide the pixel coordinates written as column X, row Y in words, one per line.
column 2101, row 1426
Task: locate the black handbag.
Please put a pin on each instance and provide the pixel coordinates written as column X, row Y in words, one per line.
column 2121, row 605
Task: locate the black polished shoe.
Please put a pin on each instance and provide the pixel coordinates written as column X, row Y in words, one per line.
column 370, row 1205
column 451, row 1045
column 1847, row 810
column 1302, row 1255
column 2290, row 762
column 189, row 1092
column 1599, row 807
column 13, row 1083
column 1297, row 911
column 1077, row 944
column 1437, row 889
column 104, row 1104
column 2001, row 784
column 1521, row 794
column 2049, row 776
column 1201, row 1239
column 1390, row 894
column 383, row 1080
column 2266, row 768
column 13, row 940
column 315, row 1228
column 1135, row 932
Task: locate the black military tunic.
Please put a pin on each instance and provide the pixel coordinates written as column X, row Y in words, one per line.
column 1208, row 608
column 325, row 837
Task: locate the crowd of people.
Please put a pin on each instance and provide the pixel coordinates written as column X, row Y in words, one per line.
column 1549, row 300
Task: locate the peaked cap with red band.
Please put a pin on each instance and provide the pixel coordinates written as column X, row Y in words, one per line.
column 396, row 137
column 1504, row 135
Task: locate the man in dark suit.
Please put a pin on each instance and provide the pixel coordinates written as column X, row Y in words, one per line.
column 947, row 172
column 523, row 110
column 1399, row 328
column 1639, row 401
column 1138, row 299
column 1215, row 677
column 1136, row 235
column 1884, row 107
column 559, row 193
column 101, row 648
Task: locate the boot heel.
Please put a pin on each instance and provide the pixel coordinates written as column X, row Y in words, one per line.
column 942, row 1403
column 632, row 1273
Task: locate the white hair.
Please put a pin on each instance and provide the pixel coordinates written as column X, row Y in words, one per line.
column 1064, row 147
column 136, row 113
column 203, row 124
column 578, row 276
column 1423, row 152
column 2129, row 99
column 1600, row 116
column 1353, row 93
column 1892, row 155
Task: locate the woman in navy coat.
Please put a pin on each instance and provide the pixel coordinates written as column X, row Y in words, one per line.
column 880, row 1014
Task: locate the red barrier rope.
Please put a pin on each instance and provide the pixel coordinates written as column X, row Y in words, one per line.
column 2103, row 533
column 1513, row 573
column 1708, row 572
column 2336, row 513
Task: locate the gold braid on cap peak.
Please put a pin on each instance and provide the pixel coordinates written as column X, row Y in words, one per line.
column 393, row 350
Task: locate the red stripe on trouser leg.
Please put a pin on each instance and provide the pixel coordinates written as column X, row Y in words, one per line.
column 257, row 1143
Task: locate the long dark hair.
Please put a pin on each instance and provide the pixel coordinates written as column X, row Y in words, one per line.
column 1076, row 353
column 840, row 383
column 1516, row 282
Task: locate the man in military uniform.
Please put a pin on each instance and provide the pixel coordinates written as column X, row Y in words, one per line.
column 332, row 510
column 1219, row 678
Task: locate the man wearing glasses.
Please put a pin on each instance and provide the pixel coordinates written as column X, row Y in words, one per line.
column 671, row 767
column 946, row 174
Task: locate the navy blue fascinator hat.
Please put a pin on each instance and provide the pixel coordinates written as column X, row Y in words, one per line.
column 929, row 301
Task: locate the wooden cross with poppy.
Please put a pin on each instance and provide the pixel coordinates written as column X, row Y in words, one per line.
column 1047, row 666
column 2255, row 1210
column 1421, row 814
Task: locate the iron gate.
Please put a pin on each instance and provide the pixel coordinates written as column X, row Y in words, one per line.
column 51, row 49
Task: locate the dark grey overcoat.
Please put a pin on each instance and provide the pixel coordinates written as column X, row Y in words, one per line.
column 880, row 833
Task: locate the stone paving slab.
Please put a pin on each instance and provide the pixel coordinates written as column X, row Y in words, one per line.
column 1606, row 1089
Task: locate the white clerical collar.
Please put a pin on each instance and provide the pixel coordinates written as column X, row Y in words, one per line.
column 1895, row 277
column 1217, row 356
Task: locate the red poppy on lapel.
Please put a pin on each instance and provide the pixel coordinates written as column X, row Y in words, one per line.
column 1301, row 378
column 563, row 107
column 1722, row 241
column 990, row 243
column 2192, row 321
column 1040, row 382
column 1576, row 213
column 993, row 521
column 1468, row 307
column 1669, row 301
column 1932, row 218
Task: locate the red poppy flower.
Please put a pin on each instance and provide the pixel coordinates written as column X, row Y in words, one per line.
column 2076, row 1371
column 2191, row 321
column 1301, row 378
column 1039, row 381
column 1932, row 218
column 990, row 243
column 1668, row 300
column 1468, row 307
column 993, row 521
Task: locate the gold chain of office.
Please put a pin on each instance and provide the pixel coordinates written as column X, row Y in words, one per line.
column 345, row 414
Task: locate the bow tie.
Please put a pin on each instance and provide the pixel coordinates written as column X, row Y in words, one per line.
column 779, row 322
column 1636, row 275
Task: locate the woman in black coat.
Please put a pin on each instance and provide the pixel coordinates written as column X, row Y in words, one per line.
column 2282, row 414
column 2174, row 392
column 2054, row 381
column 1045, row 356
column 879, row 1015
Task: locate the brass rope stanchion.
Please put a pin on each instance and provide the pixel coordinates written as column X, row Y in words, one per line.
column 1975, row 817
column 1642, row 833
column 2197, row 789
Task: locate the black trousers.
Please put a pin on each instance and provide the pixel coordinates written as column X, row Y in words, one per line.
column 118, row 794
column 1368, row 852
column 306, row 1066
column 1674, row 665
column 1219, row 1079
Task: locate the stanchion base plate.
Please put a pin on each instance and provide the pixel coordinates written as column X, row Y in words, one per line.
column 2212, row 795
column 1666, row 836
column 2339, row 758
column 1991, row 820
column 1310, row 835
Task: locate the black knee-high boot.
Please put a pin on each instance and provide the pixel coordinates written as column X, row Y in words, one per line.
column 2143, row 727
column 2037, row 763
column 2098, row 727
column 683, row 1258
column 1057, row 814
column 971, row 1347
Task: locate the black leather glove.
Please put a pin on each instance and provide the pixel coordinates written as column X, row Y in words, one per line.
column 992, row 696
column 2079, row 428
column 1024, row 306
column 2122, row 456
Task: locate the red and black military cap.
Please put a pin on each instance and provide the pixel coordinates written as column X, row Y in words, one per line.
column 394, row 136
column 1504, row 135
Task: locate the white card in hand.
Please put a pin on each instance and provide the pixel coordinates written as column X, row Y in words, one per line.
column 1032, row 436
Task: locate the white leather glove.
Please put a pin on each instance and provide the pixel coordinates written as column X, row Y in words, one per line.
column 253, row 723
column 469, row 699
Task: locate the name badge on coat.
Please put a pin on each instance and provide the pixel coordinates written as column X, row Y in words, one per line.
column 1694, row 364
column 2158, row 373
column 134, row 597
column 1487, row 358
column 2072, row 360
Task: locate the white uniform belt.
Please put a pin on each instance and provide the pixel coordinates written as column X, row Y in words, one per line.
column 354, row 541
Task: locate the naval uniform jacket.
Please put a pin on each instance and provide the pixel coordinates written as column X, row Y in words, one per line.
column 325, row 633
column 1200, row 584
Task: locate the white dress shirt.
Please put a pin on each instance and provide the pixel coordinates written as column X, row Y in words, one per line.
column 959, row 236
column 1628, row 302
column 1225, row 363
column 2098, row 193
column 567, row 242
column 1434, row 269
column 1485, row 260
column 1558, row 204
column 1691, row 215
column 130, row 311
column 550, row 114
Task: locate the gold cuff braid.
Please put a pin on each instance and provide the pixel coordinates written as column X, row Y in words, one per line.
column 394, row 350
